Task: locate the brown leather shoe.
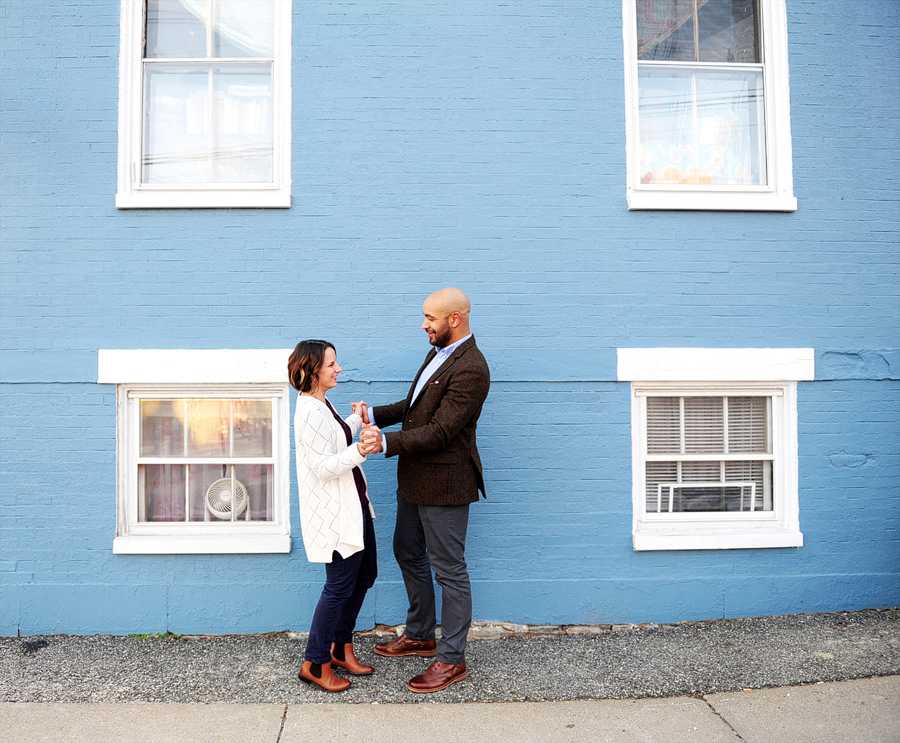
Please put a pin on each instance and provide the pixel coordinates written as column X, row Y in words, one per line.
column 437, row 676
column 327, row 680
column 349, row 661
column 404, row 645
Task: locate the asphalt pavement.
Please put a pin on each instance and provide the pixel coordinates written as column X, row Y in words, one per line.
column 816, row 677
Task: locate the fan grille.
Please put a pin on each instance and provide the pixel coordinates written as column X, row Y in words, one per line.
column 221, row 501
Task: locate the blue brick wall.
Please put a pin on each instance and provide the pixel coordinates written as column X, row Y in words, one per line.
column 435, row 143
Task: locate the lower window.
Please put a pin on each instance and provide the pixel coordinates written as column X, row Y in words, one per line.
column 204, row 460
column 714, row 464
column 708, row 454
column 202, row 465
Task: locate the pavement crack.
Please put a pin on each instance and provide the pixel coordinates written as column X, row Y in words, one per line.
column 283, row 720
column 719, row 715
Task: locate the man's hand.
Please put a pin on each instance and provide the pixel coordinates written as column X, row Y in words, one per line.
column 371, row 439
column 362, row 410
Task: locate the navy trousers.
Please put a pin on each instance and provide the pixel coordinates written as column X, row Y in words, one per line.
column 347, row 579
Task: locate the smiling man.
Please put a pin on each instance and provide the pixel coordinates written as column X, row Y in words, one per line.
column 438, row 475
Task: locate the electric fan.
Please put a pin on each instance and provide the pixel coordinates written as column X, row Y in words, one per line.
column 221, row 501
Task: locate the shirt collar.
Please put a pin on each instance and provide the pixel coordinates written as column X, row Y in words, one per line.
column 447, row 350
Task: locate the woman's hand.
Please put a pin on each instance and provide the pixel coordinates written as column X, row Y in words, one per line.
column 370, row 440
column 362, row 410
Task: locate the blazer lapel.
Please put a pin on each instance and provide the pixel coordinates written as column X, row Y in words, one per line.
column 440, row 370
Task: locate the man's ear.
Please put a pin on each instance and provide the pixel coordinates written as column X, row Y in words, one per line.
column 455, row 319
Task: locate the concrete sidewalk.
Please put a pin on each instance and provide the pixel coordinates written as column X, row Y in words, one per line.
column 863, row 710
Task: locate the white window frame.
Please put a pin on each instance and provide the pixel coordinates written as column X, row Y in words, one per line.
column 719, row 372
column 132, row 194
column 186, row 373
column 778, row 194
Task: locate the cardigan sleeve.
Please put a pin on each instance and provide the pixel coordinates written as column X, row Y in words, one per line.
column 355, row 422
column 313, row 442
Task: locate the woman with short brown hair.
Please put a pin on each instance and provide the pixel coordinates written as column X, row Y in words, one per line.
column 335, row 513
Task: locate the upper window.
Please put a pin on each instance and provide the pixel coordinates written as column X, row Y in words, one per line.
column 202, row 450
column 714, row 446
column 204, row 104
column 707, row 105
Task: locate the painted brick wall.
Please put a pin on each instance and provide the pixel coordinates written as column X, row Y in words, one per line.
column 480, row 145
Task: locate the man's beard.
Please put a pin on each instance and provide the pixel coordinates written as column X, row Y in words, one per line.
column 442, row 338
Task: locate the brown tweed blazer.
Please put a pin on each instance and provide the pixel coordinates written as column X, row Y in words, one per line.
column 438, row 462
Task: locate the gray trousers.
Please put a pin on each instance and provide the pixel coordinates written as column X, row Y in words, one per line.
column 430, row 538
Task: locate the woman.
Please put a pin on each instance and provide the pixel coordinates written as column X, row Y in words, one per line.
column 335, row 513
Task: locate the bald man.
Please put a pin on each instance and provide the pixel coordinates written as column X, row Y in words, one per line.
column 438, row 475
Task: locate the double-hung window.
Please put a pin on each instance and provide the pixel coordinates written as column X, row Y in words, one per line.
column 204, row 109
column 203, row 447
column 707, row 105
column 707, row 454
column 714, row 446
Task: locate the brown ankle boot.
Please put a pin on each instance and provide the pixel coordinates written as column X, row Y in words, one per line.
column 327, row 680
column 349, row 661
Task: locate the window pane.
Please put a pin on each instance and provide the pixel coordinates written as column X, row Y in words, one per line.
column 702, row 127
column 176, row 125
column 220, row 491
column 175, row 31
column 728, row 31
column 665, row 30
column 243, row 125
column 162, row 428
column 186, row 142
column 259, row 481
column 243, row 29
column 209, row 428
column 663, row 425
column 657, row 473
column 759, row 473
column 214, row 496
column 721, row 31
column 252, row 428
column 161, row 492
column 704, row 425
column 718, row 486
column 748, row 425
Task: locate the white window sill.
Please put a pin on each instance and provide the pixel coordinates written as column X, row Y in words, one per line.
column 211, row 199
column 711, row 201
column 646, row 540
column 202, row 545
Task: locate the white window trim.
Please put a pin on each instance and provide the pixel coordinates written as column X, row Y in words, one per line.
column 131, row 194
column 773, row 372
column 186, row 372
column 778, row 195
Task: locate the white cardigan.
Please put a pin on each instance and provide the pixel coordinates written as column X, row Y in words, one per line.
column 330, row 515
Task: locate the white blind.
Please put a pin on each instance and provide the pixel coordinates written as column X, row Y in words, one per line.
column 704, row 425
column 663, row 425
column 748, row 425
column 696, row 431
column 708, row 425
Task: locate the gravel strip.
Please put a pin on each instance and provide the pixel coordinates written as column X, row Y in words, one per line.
column 648, row 661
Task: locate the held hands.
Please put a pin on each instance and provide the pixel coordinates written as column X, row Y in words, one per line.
column 362, row 410
column 370, row 440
